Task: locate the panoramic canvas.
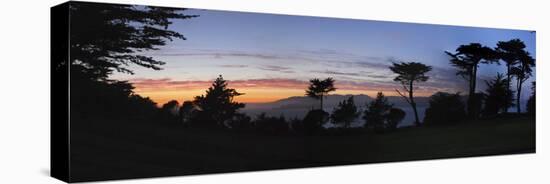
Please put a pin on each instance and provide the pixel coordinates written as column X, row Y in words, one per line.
column 141, row 91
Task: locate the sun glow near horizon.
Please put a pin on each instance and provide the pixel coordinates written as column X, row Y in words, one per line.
column 255, row 93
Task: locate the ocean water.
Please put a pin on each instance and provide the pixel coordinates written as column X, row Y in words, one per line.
column 299, row 113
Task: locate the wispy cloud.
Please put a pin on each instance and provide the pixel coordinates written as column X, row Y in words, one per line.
column 331, row 72
column 378, row 76
column 222, row 54
column 234, row 66
column 275, row 68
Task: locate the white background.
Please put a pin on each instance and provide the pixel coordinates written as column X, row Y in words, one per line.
column 24, row 91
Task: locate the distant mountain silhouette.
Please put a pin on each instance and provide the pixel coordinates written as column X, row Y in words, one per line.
column 297, row 106
column 304, row 102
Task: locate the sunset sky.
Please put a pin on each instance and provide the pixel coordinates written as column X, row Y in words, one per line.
column 271, row 57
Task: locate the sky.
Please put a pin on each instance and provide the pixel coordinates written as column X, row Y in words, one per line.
column 270, row 57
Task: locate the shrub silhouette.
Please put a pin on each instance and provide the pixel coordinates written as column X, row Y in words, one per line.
column 345, row 113
column 170, row 111
column 113, row 99
column 408, row 73
column 171, row 107
column 314, row 120
column 394, row 117
column 477, row 104
column 271, row 125
column 445, row 108
column 241, row 122
column 187, row 112
column 467, row 59
column 296, row 125
column 318, row 89
column 141, row 108
column 217, row 106
column 497, row 96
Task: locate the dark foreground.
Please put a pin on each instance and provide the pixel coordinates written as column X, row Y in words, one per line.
column 114, row 150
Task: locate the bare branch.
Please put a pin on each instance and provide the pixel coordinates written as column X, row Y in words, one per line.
column 405, row 86
column 402, row 95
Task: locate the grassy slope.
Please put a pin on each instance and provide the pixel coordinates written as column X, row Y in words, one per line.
column 467, row 139
column 142, row 150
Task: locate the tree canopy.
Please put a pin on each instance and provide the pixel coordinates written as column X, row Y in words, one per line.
column 509, row 51
column 468, row 57
column 319, row 88
column 108, row 37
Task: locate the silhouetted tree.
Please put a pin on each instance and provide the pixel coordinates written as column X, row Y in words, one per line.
column 466, row 60
column 376, row 111
column 108, row 37
column 531, row 103
column 408, row 73
column 217, row 106
column 522, row 71
column 497, row 96
column 318, row 89
column 169, row 111
column 107, row 99
column 171, row 107
column 445, row 108
column 510, row 52
column 186, row 112
column 394, row 117
column 345, row 112
column 140, row 108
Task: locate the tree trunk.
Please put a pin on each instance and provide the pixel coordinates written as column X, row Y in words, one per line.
column 413, row 104
column 322, row 102
column 472, row 111
column 474, row 81
column 518, row 105
column 508, row 78
column 416, row 121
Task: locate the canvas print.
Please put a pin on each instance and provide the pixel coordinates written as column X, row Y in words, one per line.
column 142, row 91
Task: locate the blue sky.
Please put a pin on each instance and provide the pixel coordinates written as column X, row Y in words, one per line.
column 252, row 49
